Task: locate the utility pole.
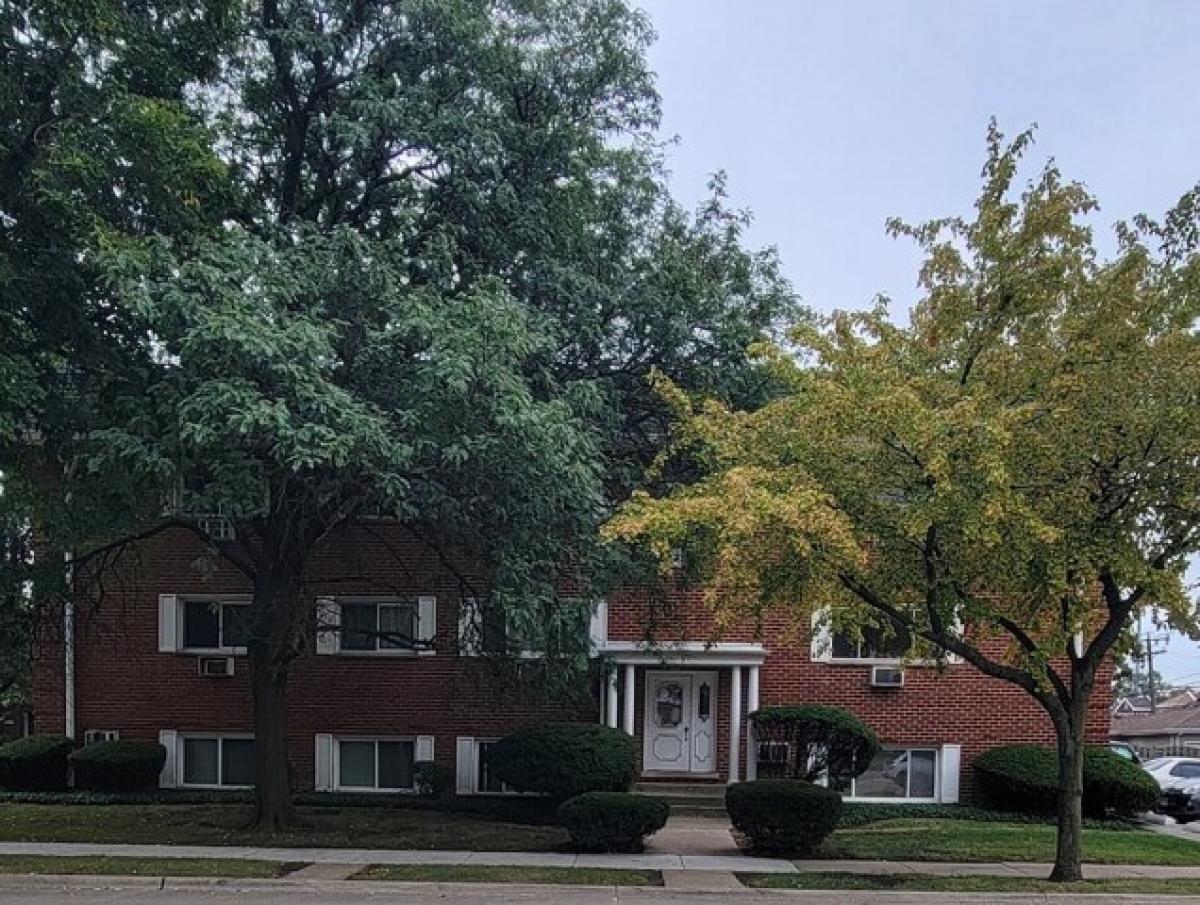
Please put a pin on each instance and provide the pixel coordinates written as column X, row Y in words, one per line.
column 1153, row 644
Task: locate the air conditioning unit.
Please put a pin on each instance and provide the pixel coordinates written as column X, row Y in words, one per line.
column 96, row 736
column 215, row 667
column 887, row 677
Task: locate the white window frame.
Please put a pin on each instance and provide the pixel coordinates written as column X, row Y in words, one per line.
column 222, row 600
column 377, row 602
column 98, row 736
column 220, row 737
column 376, row 739
column 935, row 750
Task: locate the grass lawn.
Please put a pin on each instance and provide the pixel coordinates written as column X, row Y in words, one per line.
column 223, row 824
column 919, row 883
column 135, row 867
column 966, row 840
column 448, row 873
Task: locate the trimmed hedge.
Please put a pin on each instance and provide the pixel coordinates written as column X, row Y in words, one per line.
column 1025, row 778
column 37, row 763
column 118, row 766
column 612, row 821
column 821, row 740
column 562, row 761
column 783, row 815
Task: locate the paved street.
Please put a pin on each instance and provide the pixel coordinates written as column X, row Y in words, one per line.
column 44, row 891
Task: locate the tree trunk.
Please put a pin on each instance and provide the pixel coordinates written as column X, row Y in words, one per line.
column 1068, row 857
column 274, row 810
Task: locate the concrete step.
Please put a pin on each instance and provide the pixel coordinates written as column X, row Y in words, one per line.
column 687, row 799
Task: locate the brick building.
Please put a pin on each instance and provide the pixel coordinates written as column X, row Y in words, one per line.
column 159, row 658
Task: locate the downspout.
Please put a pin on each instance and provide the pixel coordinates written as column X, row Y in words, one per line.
column 69, row 653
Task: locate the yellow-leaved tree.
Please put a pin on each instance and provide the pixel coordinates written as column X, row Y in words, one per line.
column 1019, row 461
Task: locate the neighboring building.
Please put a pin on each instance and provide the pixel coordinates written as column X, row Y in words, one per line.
column 361, row 713
column 1171, row 730
column 1135, row 703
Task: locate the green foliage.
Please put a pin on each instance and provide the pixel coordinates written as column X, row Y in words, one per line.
column 786, row 816
column 821, row 739
column 1025, row 778
column 431, row 778
column 612, row 821
column 410, row 260
column 118, row 766
column 37, row 763
column 562, row 761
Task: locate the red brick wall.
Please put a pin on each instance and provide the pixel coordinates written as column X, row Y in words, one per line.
column 124, row 683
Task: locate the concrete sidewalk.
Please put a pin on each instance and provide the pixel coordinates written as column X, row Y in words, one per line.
column 153, row 891
column 648, row 861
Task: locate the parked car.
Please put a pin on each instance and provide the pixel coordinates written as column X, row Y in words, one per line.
column 1173, row 771
column 1126, row 751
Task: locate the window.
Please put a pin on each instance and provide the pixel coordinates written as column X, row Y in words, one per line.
column 1186, row 769
column 384, row 626
column 96, row 736
column 375, row 765
column 218, row 761
column 564, row 627
column 214, row 625
column 871, row 643
column 482, row 780
column 907, row 774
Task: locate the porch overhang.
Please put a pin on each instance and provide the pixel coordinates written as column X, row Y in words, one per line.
column 683, row 653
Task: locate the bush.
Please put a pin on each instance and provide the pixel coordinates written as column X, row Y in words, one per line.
column 1025, row 778
column 820, row 740
column 611, row 821
column 783, row 815
column 118, row 766
column 562, row 761
column 35, row 764
column 431, row 779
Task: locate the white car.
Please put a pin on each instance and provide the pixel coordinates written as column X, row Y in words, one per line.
column 1173, row 771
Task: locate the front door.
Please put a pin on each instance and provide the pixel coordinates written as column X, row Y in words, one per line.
column 680, row 722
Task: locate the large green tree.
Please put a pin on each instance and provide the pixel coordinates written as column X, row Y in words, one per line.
column 442, row 265
column 1008, row 476
column 95, row 142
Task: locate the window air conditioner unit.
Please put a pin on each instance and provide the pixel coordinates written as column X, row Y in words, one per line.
column 887, row 677
column 213, row 667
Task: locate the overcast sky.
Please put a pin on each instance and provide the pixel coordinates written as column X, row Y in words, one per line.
column 830, row 117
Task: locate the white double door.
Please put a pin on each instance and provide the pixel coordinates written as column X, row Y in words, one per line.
column 680, row 725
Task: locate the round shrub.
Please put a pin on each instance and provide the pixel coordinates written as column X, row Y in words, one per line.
column 611, row 821
column 37, row 763
column 431, row 779
column 819, row 740
column 783, row 815
column 1025, row 778
column 1116, row 785
column 118, row 766
column 562, row 761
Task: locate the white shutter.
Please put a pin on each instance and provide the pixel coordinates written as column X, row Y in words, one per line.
column 470, row 628
column 168, row 623
column 169, row 777
column 423, row 749
column 323, row 762
column 426, row 619
column 329, row 620
column 949, row 762
column 598, row 629
column 822, row 637
column 464, row 765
